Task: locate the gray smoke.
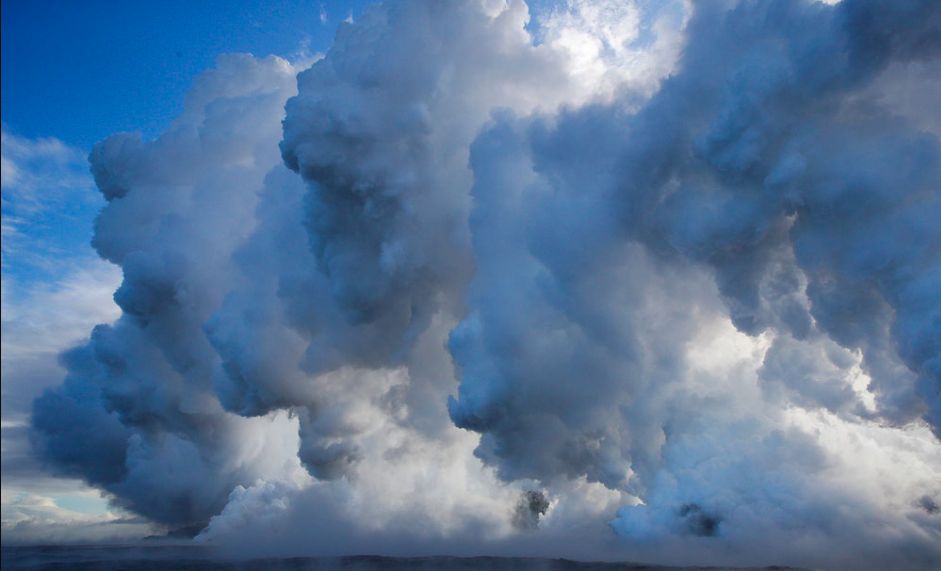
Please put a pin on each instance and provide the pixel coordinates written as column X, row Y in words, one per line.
column 529, row 508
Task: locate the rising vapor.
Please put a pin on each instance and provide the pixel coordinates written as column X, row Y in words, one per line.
column 484, row 284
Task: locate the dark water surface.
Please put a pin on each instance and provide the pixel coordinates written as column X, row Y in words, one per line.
column 158, row 558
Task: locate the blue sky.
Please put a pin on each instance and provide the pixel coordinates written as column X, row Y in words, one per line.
column 80, row 71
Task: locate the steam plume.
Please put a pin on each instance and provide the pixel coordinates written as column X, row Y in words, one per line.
column 681, row 260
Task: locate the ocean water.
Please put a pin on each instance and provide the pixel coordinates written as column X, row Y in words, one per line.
column 158, row 558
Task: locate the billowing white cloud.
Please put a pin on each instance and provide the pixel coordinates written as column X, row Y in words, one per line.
column 680, row 261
